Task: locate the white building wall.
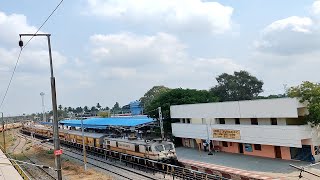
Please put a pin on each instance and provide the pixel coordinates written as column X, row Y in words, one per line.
column 268, row 108
column 289, row 136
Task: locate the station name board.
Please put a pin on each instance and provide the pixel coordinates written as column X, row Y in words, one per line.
column 226, row 133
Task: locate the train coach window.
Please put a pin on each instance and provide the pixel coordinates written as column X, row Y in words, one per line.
column 168, row 147
column 159, row 148
column 137, row 148
column 148, row 148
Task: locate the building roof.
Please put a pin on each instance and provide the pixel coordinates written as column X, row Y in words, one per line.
column 111, row 121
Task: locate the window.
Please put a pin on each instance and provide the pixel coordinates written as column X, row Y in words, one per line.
column 257, row 147
column 254, row 121
column 159, row 148
column 222, row 121
column 137, row 148
column 224, row 144
column 248, row 147
column 168, row 147
column 230, row 143
column 188, row 121
column 183, row 120
column 237, row 121
column 274, row 121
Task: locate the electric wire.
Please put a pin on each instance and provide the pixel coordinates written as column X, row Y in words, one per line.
column 17, row 61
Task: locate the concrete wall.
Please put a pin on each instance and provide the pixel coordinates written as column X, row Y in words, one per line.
column 266, row 108
column 230, row 149
column 290, row 136
column 266, row 151
column 285, row 153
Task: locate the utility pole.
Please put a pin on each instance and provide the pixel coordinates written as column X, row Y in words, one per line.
column 56, row 139
column 43, row 108
column 161, row 123
column 3, row 134
column 84, row 147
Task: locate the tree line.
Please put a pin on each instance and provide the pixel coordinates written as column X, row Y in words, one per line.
column 238, row 86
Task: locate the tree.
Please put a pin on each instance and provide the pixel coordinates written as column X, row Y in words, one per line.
column 103, row 114
column 65, row 109
column 107, row 108
column 177, row 97
column 116, row 108
column 70, row 109
column 308, row 92
column 153, row 93
column 94, row 109
column 98, row 106
column 85, row 109
column 60, row 107
column 239, row 86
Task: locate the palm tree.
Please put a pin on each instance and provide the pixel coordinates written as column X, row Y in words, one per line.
column 98, row 106
column 60, row 107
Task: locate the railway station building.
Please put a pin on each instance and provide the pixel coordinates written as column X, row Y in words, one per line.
column 273, row 128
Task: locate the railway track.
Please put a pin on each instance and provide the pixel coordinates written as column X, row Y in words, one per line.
column 125, row 173
column 36, row 172
column 149, row 166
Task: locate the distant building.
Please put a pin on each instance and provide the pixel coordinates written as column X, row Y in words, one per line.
column 272, row 128
column 136, row 108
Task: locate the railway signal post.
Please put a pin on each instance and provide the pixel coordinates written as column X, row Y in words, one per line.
column 56, row 140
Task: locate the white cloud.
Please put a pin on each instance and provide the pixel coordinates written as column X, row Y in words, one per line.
column 127, row 49
column 289, row 36
column 159, row 58
column 293, row 23
column 14, row 24
column 178, row 14
column 316, row 7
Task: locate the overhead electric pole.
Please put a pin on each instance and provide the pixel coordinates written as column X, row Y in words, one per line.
column 3, row 134
column 84, row 147
column 161, row 123
column 56, row 139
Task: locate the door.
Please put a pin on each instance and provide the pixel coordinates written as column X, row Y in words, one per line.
column 241, row 148
column 277, row 151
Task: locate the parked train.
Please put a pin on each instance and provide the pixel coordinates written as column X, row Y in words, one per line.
column 157, row 150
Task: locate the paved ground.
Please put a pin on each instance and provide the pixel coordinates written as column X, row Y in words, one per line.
column 245, row 162
column 7, row 171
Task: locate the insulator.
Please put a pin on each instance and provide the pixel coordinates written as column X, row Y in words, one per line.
column 21, row 43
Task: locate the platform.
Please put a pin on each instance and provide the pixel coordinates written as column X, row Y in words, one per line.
column 7, row 171
column 236, row 164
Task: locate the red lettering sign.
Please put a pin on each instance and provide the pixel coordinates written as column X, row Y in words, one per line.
column 58, row 152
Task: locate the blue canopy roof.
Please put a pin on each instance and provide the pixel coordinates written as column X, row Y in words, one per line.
column 111, row 121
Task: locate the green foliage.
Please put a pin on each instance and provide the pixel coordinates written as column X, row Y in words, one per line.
column 176, row 97
column 308, row 92
column 50, row 151
column 152, row 94
column 103, row 114
column 239, row 86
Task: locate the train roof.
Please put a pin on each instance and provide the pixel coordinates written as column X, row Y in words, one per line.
column 79, row 133
column 87, row 134
column 136, row 141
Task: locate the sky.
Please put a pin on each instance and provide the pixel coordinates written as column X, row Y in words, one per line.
column 111, row 51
